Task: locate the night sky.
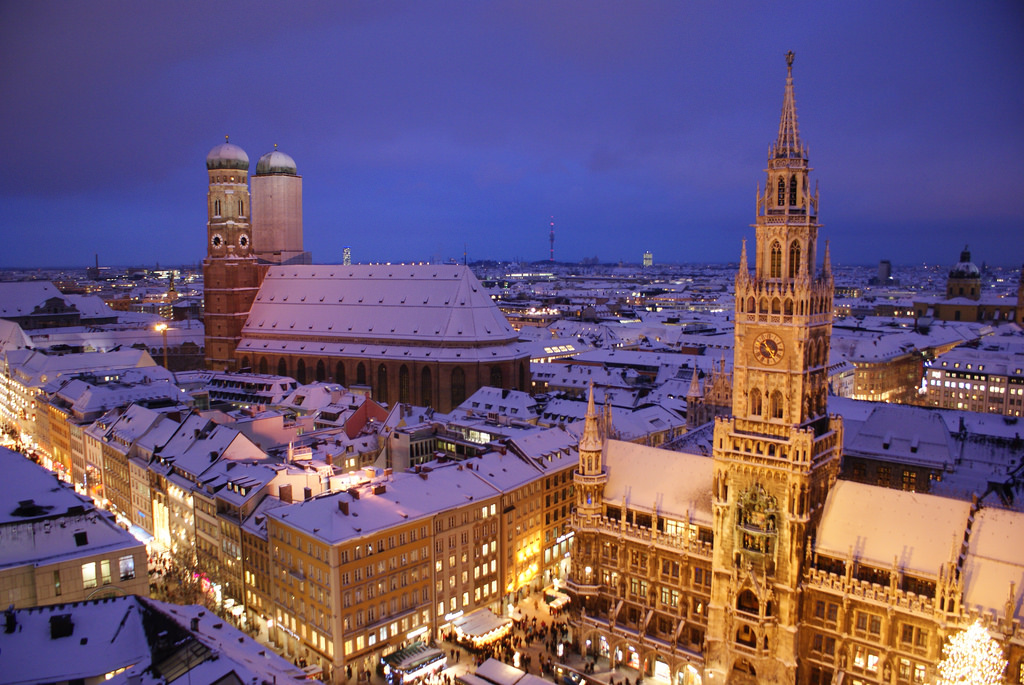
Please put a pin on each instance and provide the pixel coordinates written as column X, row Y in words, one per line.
column 425, row 128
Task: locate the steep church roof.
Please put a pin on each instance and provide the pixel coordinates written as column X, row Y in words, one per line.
column 430, row 312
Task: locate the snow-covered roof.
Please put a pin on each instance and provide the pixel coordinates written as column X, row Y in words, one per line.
column 41, row 520
column 674, row 484
column 995, row 560
column 860, row 517
column 12, row 337
column 20, row 298
column 379, row 311
column 903, row 434
column 106, row 635
column 36, row 369
column 402, row 497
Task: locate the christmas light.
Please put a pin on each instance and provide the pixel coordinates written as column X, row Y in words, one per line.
column 971, row 657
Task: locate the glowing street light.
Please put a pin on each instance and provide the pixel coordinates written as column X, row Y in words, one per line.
column 162, row 327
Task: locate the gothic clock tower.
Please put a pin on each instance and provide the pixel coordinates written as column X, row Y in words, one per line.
column 777, row 456
column 589, row 480
column 231, row 276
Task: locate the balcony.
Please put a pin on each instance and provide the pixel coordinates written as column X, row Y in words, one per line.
column 647, row 536
column 583, row 588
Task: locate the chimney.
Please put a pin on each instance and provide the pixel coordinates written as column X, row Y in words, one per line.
column 329, row 459
column 194, row 624
column 343, row 507
column 284, row 493
column 307, row 493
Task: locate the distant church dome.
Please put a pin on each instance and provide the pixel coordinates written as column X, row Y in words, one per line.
column 965, row 268
column 276, row 162
column 227, row 156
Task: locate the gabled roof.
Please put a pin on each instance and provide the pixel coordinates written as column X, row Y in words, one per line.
column 674, row 484
column 907, row 435
column 995, row 559
column 19, row 298
column 860, row 518
column 375, row 305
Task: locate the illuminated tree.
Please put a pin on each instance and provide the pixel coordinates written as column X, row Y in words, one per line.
column 971, row 657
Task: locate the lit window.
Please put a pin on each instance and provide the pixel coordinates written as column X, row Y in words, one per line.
column 126, row 567
column 89, row 575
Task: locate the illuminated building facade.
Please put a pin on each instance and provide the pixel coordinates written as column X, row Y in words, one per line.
column 757, row 564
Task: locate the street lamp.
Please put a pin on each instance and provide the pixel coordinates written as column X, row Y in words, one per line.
column 162, row 327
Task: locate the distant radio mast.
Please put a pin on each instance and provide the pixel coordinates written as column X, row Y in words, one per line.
column 552, row 239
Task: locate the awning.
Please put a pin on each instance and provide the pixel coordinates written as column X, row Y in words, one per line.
column 482, row 626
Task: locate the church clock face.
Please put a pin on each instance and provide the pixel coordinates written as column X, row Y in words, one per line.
column 243, row 241
column 217, row 240
column 768, row 349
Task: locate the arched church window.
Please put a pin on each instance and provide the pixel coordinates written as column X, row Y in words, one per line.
column 300, row 372
column 458, row 386
column 382, row 384
column 792, row 190
column 775, row 406
column 787, row 307
column 755, row 402
column 794, row 259
column 241, row 208
column 282, row 367
column 750, row 304
column 426, row 387
column 361, row 374
column 775, row 265
column 216, row 207
column 764, row 306
column 263, row 365
column 776, row 306
column 339, row 374
column 403, row 384
column 782, row 192
column 321, row 371
column 522, row 376
column 496, row 379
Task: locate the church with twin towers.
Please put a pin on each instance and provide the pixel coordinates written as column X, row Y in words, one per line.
column 421, row 334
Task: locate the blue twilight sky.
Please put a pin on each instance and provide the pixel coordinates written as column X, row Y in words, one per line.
column 423, row 127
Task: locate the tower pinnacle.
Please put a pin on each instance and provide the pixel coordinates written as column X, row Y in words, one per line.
column 788, row 143
column 591, row 439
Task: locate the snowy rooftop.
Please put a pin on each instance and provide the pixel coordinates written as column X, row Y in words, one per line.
column 908, row 435
column 995, row 560
column 928, row 527
column 400, row 498
column 42, row 521
column 673, row 484
column 19, row 298
column 105, row 636
column 371, row 309
column 21, row 480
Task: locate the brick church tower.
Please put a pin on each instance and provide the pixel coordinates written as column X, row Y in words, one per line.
column 778, row 455
column 231, row 275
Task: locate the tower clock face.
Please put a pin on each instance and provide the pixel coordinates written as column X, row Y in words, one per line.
column 768, row 349
column 217, row 240
column 243, row 241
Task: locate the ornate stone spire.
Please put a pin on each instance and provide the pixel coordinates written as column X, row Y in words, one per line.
column 591, row 440
column 788, row 143
column 743, row 275
column 826, row 266
column 694, row 390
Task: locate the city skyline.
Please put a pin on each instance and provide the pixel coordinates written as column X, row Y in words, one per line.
column 466, row 128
